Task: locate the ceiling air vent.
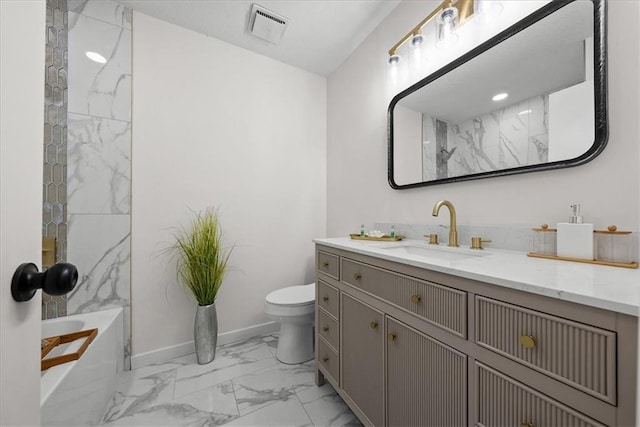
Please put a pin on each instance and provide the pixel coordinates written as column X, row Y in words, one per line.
column 267, row 25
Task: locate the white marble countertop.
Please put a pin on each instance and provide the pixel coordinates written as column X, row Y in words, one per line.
column 611, row 288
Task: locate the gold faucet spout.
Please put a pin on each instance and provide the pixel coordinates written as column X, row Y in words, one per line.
column 453, row 229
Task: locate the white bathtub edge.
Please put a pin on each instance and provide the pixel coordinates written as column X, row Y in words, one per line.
column 167, row 353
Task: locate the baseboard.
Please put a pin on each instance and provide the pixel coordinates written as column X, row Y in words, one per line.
column 167, row 353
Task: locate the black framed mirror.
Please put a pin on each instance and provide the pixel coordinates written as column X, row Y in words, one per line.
column 552, row 65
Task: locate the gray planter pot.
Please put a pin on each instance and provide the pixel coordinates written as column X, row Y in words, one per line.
column 205, row 333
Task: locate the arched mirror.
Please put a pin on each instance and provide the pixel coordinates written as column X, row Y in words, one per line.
column 531, row 98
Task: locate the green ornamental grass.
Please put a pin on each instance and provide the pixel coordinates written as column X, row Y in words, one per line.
column 202, row 261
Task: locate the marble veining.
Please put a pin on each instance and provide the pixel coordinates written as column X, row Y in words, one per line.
column 99, row 170
column 102, row 90
column 609, row 288
column 510, row 137
column 104, row 271
column 99, row 158
column 245, row 385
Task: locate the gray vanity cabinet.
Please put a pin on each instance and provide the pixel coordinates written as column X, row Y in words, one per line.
column 426, row 380
column 363, row 370
column 407, row 346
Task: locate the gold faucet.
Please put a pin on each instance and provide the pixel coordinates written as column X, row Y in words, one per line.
column 453, row 230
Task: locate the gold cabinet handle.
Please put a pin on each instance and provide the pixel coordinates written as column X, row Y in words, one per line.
column 528, row 341
column 392, row 337
column 357, row 276
column 527, row 425
column 415, row 299
column 373, row 325
column 325, row 299
column 325, row 265
column 325, row 328
column 325, row 359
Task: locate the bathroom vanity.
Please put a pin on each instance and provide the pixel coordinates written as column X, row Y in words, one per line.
column 410, row 334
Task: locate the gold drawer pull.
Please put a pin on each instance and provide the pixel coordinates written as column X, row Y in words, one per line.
column 325, row 359
column 325, row 299
column 357, row 276
column 373, row 325
column 325, row 265
column 528, row 341
column 392, row 337
column 325, row 328
column 415, row 299
column 527, row 425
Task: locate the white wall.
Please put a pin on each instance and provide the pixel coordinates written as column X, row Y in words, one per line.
column 216, row 125
column 407, row 150
column 608, row 187
column 22, row 31
column 570, row 112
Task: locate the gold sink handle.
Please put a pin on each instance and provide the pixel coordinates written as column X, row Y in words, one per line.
column 476, row 242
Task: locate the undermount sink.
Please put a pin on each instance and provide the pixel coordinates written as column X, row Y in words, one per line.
column 433, row 251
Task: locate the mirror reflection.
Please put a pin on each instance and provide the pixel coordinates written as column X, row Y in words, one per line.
column 527, row 101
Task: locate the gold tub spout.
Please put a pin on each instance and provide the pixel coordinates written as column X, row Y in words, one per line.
column 453, row 230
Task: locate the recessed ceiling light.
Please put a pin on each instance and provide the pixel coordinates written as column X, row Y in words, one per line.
column 521, row 113
column 500, row 96
column 96, row 57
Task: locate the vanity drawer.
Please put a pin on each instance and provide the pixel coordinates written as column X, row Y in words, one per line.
column 328, row 298
column 442, row 306
column 328, row 359
column 502, row 401
column 579, row 355
column 328, row 329
column 328, row 264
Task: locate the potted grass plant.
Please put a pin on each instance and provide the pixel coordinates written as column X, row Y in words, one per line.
column 202, row 264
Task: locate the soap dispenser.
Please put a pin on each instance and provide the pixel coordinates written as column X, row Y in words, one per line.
column 575, row 238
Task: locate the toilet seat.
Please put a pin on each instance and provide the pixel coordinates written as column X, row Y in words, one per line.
column 293, row 296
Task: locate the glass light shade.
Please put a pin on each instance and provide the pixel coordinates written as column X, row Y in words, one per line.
column 417, row 57
column 486, row 10
column 445, row 27
column 393, row 65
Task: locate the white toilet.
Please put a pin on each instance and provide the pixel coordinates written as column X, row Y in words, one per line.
column 293, row 307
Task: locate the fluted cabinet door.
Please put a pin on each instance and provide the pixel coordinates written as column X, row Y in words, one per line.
column 362, row 357
column 426, row 380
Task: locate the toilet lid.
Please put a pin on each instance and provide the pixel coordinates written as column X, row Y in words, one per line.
column 293, row 295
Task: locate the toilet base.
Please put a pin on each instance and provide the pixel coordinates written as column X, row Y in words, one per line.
column 295, row 343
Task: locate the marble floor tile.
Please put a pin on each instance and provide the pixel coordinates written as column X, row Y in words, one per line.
column 224, row 367
column 287, row 412
column 245, row 385
column 278, row 383
column 326, row 408
column 139, row 394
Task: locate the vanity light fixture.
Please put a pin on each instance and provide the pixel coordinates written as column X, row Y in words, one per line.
column 448, row 15
column 500, row 96
column 522, row 113
column 96, row 57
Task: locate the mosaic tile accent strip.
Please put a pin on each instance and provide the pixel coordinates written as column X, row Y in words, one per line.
column 54, row 206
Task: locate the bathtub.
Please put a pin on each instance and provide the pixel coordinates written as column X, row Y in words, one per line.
column 78, row 392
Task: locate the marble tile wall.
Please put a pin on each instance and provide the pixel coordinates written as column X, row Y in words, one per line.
column 510, row 137
column 54, row 204
column 99, row 158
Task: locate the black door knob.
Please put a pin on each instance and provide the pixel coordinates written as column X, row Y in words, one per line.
column 59, row 279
